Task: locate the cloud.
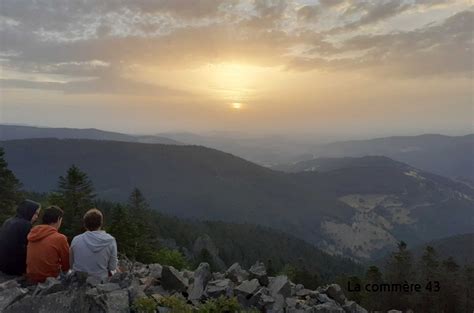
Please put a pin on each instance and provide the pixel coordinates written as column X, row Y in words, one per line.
column 103, row 40
column 107, row 85
column 443, row 49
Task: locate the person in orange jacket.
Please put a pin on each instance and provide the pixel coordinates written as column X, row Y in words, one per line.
column 48, row 250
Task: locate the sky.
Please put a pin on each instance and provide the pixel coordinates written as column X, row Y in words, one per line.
column 342, row 67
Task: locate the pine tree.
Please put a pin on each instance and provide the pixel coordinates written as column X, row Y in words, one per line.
column 450, row 289
column 75, row 196
column 9, row 190
column 137, row 201
column 372, row 300
column 125, row 231
column 429, row 272
column 399, row 271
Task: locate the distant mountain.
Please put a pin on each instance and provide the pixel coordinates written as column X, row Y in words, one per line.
column 263, row 150
column 451, row 156
column 12, row 132
column 355, row 211
column 331, row 164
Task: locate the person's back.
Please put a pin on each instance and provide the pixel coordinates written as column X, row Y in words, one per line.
column 13, row 239
column 48, row 250
column 95, row 251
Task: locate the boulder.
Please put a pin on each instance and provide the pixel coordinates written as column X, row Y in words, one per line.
column 353, row 307
column 155, row 270
column 8, row 296
column 328, row 307
column 205, row 243
column 236, row 273
column 58, row 302
column 117, row 302
column 280, row 285
column 12, row 283
column 334, row 291
column 171, row 279
column 247, row 288
column 50, row 285
column 259, row 272
column 108, row 287
column 217, row 288
column 202, row 276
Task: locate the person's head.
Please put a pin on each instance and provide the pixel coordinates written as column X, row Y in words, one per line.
column 53, row 216
column 93, row 220
column 28, row 210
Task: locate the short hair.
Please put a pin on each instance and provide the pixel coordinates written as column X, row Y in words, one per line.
column 52, row 214
column 93, row 219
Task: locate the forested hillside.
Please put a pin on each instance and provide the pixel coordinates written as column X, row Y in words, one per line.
column 357, row 211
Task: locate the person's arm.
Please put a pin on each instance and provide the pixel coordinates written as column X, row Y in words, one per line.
column 64, row 254
column 22, row 240
column 113, row 260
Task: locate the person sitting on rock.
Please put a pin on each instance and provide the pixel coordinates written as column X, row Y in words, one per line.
column 48, row 250
column 94, row 251
column 13, row 238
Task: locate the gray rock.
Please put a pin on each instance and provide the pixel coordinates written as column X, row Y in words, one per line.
column 12, row 283
column 155, row 270
column 261, row 299
column 280, row 285
column 259, row 272
column 205, row 243
column 353, row 307
column 247, row 287
column 108, row 287
column 58, row 302
column 278, row 306
column 202, row 276
column 334, row 291
column 290, row 302
column 303, row 293
column 394, row 311
column 50, row 285
column 117, row 302
column 236, row 273
column 328, row 307
column 8, row 296
column 93, row 281
column 124, row 279
column 217, row 288
column 171, row 279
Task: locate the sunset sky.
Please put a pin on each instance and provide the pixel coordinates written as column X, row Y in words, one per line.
column 323, row 66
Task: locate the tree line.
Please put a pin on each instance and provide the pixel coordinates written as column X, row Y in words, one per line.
column 426, row 284
column 140, row 231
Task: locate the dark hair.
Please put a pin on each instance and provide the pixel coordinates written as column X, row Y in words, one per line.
column 93, row 219
column 52, row 214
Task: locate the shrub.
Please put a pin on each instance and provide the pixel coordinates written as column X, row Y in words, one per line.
column 144, row 305
column 176, row 305
column 171, row 258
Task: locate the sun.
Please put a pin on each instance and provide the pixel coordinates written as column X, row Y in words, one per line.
column 236, row 105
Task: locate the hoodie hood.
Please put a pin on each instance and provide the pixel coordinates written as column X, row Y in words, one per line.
column 97, row 240
column 40, row 232
column 27, row 209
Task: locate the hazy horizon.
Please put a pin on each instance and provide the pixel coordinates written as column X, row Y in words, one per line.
column 341, row 69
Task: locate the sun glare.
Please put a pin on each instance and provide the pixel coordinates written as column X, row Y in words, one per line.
column 236, row 105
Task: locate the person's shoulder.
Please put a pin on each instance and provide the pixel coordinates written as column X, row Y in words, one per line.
column 77, row 238
column 60, row 237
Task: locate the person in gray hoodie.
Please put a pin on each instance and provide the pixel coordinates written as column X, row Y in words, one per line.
column 94, row 251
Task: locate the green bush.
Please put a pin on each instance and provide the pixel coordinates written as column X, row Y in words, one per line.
column 172, row 258
column 176, row 305
column 144, row 305
column 221, row 305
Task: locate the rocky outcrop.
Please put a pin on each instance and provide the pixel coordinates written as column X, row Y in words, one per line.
column 253, row 289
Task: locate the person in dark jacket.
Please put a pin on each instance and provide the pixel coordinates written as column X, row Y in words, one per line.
column 13, row 239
